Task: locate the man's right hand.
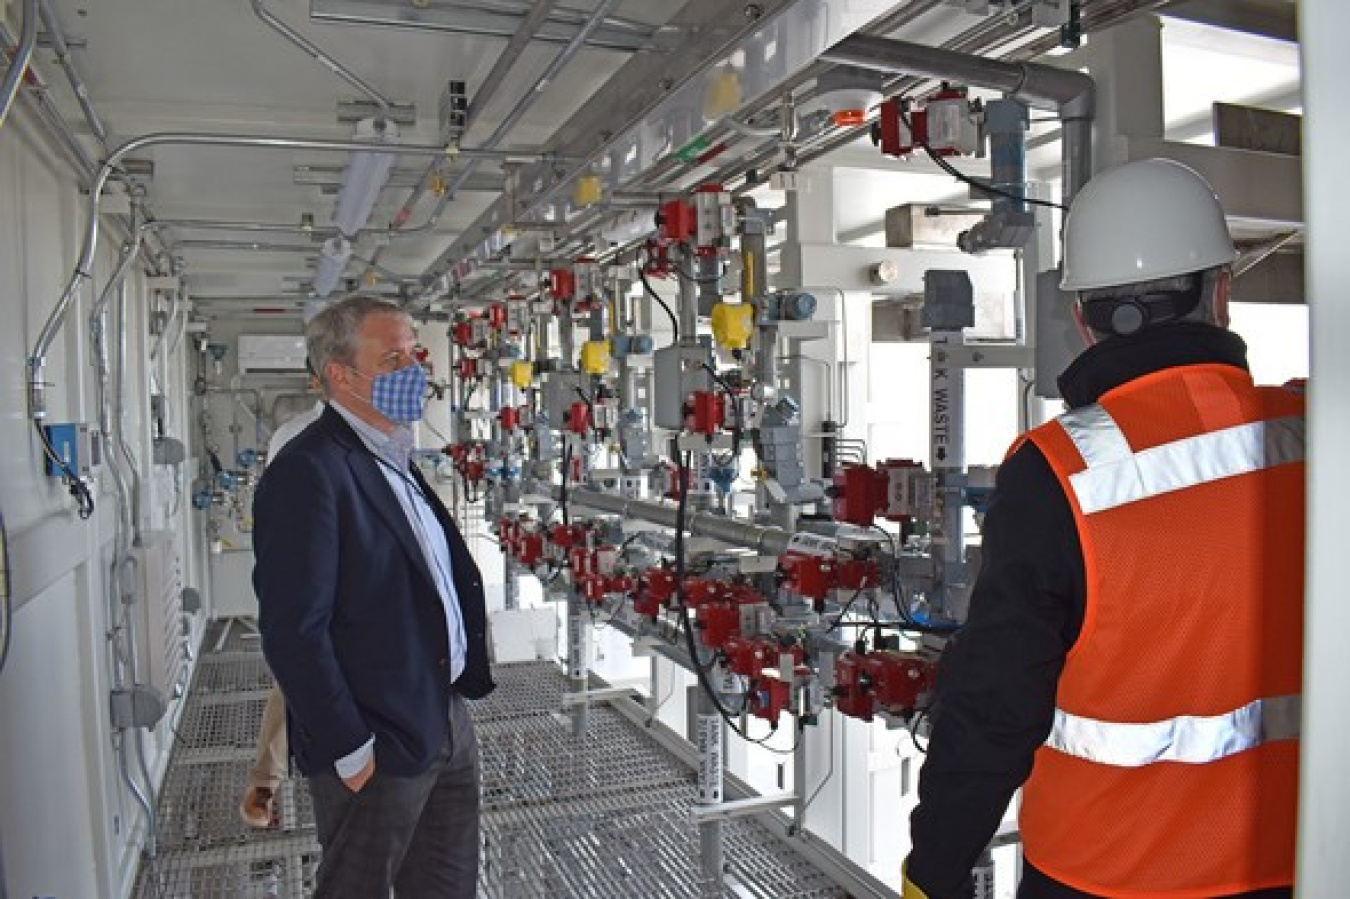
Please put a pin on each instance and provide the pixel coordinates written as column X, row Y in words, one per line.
column 358, row 780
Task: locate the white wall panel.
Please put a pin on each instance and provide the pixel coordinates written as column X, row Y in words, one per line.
column 70, row 827
column 44, row 781
column 1324, row 819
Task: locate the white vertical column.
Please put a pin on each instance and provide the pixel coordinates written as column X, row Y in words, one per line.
column 578, row 659
column 810, row 220
column 710, row 745
column 1324, row 813
column 1125, row 62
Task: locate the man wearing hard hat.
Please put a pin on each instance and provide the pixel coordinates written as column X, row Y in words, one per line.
column 1134, row 648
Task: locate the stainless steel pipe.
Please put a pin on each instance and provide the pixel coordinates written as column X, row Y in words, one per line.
column 765, row 540
column 23, row 55
column 1067, row 93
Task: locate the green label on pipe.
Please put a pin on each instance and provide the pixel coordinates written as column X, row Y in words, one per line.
column 691, row 151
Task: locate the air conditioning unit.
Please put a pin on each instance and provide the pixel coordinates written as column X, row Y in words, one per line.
column 271, row 353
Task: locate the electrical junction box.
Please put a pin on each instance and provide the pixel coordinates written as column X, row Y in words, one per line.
column 272, row 353
column 73, row 444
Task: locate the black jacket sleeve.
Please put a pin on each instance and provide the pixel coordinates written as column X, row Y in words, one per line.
column 996, row 685
column 295, row 575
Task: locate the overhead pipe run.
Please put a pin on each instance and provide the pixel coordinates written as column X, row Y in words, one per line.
column 260, row 227
column 505, row 62
column 323, row 58
column 492, row 19
column 764, row 540
column 508, row 59
column 538, row 15
column 59, row 130
column 58, row 41
column 1067, row 93
column 540, row 85
column 677, row 91
column 38, row 360
column 9, row 88
column 669, row 169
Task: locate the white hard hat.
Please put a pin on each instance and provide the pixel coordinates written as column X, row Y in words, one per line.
column 1145, row 220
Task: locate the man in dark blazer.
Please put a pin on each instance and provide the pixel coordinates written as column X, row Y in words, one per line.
column 373, row 621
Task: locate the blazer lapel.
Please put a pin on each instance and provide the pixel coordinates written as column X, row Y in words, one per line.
column 371, row 478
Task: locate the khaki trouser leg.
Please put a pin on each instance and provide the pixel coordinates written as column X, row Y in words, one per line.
column 270, row 765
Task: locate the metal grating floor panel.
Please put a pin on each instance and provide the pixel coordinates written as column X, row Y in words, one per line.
column 217, row 720
column 232, row 672
column 247, row 871
column 537, row 759
column 198, row 807
column 606, row 815
column 232, row 635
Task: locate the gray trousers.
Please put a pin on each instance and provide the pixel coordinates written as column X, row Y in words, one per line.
column 416, row 836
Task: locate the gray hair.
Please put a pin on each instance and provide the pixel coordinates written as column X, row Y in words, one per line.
column 333, row 334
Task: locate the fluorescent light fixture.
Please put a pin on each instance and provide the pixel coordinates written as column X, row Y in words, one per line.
column 332, row 263
column 310, row 308
column 366, row 174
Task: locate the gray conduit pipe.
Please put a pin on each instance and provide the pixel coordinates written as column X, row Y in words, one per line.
column 37, row 361
column 122, row 571
column 58, row 40
column 764, row 540
column 597, row 16
column 323, row 58
column 506, row 61
column 22, row 56
column 1067, row 93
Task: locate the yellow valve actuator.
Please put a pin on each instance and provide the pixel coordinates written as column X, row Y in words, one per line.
column 522, row 373
column 595, row 357
column 722, row 93
column 733, row 324
column 588, row 191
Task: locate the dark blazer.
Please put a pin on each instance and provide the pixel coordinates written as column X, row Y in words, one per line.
column 352, row 624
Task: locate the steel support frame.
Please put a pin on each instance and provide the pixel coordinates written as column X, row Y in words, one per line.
column 1262, row 190
column 839, row 868
column 1324, row 814
column 624, row 121
column 615, row 34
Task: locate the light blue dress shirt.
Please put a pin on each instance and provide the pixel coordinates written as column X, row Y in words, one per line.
column 394, row 453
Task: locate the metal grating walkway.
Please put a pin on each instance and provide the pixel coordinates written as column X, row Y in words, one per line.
column 602, row 815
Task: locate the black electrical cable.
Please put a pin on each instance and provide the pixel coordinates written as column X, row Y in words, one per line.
column 623, row 547
column 681, row 513
column 590, row 406
column 618, row 607
column 695, row 279
column 956, row 173
column 913, row 730
column 736, row 428
column 674, row 322
column 566, row 473
column 6, row 607
column 907, row 617
column 79, row 490
column 848, row 606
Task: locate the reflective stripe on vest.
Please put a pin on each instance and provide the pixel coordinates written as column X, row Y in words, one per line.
column 1116, row 475
column 1187, row 738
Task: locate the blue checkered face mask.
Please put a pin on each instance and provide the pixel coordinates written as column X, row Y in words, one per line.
column 398, row 395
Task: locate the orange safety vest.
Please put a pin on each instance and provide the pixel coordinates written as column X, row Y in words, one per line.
column 1172, row 766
